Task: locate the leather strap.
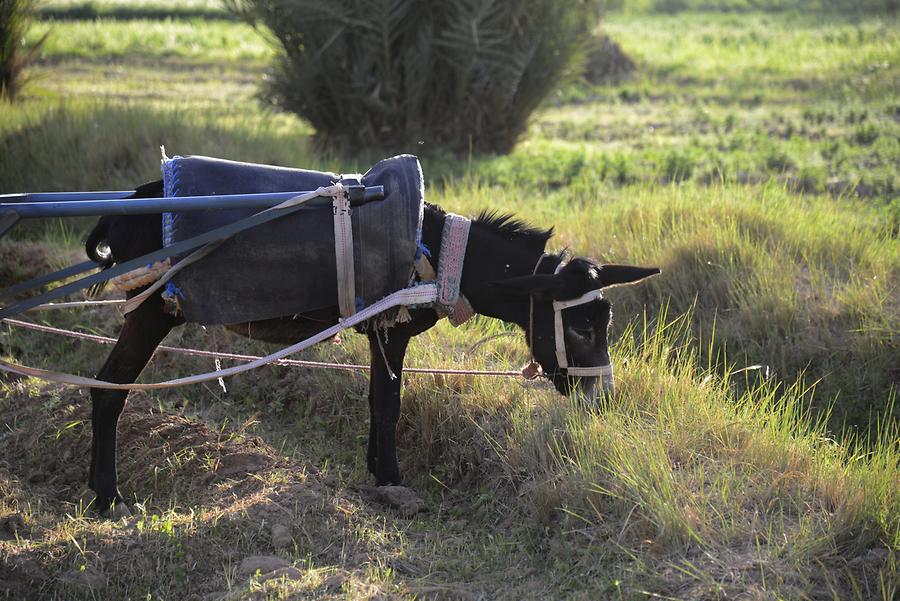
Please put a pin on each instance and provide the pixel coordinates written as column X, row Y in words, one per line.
column 343, row 252
column 48, row 279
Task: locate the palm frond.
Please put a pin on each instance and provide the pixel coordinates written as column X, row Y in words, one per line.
column 457, row 74
column 15, row 18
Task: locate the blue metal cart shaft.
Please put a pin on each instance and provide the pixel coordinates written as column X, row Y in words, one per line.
column 9, row 214
column 64, row 196
column 94, row 207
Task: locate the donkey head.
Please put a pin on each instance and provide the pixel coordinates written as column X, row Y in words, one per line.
column 569, row 320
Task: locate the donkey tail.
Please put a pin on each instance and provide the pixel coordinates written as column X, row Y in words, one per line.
column 98, row 247
column 98, row 250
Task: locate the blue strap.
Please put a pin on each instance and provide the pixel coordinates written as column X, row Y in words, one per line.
column 159, row 255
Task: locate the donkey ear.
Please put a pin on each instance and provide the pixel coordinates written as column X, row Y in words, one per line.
column 543, row 283
column 618, row 275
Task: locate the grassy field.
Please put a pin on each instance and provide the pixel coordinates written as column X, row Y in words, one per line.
column 753, row 157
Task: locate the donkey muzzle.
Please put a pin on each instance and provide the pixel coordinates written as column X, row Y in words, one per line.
column 596, row 388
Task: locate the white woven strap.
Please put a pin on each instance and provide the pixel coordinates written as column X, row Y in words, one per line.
column 343, row 254
column 560, row 338
column 417, row 295
column 574, row 302
column 558, row 307
column 559, row 334
column 604, row 371
column 454, row 239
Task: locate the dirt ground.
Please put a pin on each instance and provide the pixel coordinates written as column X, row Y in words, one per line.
column 227, row 510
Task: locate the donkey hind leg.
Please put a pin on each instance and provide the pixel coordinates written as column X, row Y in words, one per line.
column 372, row 452
column 144, row 329
column 384, row 393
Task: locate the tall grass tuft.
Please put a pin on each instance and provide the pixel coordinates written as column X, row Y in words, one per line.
column 412, row 75
column 15, row 17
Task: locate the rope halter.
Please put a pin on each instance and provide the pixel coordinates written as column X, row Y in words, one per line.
column 597, row 371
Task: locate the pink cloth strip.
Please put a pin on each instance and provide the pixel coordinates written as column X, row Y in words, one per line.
column 453, row 253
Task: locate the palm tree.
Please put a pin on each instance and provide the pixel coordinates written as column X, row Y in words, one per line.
column 15, row 17
column 403, row 74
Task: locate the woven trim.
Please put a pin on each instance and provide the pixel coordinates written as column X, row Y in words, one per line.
column 462, row 312
column 454, row 238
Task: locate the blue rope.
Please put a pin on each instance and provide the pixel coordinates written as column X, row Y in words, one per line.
column 421, row 249
column 173, row 291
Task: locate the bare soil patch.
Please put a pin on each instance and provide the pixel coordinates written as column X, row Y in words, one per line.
column 218, row 512
column 20, row 261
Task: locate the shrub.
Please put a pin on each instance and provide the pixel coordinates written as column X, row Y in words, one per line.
column 15, row 16
column 606, row 62
column 399, row 74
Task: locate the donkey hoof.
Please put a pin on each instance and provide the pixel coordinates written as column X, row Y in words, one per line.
column 116, row 510
column 389, row 481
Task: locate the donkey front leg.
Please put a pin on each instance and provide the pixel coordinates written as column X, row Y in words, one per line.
column 144, row 329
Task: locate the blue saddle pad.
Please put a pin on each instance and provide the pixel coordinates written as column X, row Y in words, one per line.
column 287, row 266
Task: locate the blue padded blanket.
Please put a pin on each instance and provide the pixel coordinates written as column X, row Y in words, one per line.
column 287, row 266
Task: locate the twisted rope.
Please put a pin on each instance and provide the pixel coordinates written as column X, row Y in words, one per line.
column 238, row 357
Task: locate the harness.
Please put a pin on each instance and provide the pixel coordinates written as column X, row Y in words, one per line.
column 450, row 303
column 439, row 290
column 598, row 371
column 289, row 203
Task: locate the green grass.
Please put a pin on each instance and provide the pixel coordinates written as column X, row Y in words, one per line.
column 193, row 39
column 169, row 62
column 118, row 144
column 133, row 9
column 744, row 6
column 681, row 486
column 807, row 99
column 753, row 158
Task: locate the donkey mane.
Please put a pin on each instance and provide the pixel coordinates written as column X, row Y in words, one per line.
column 508, row 225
